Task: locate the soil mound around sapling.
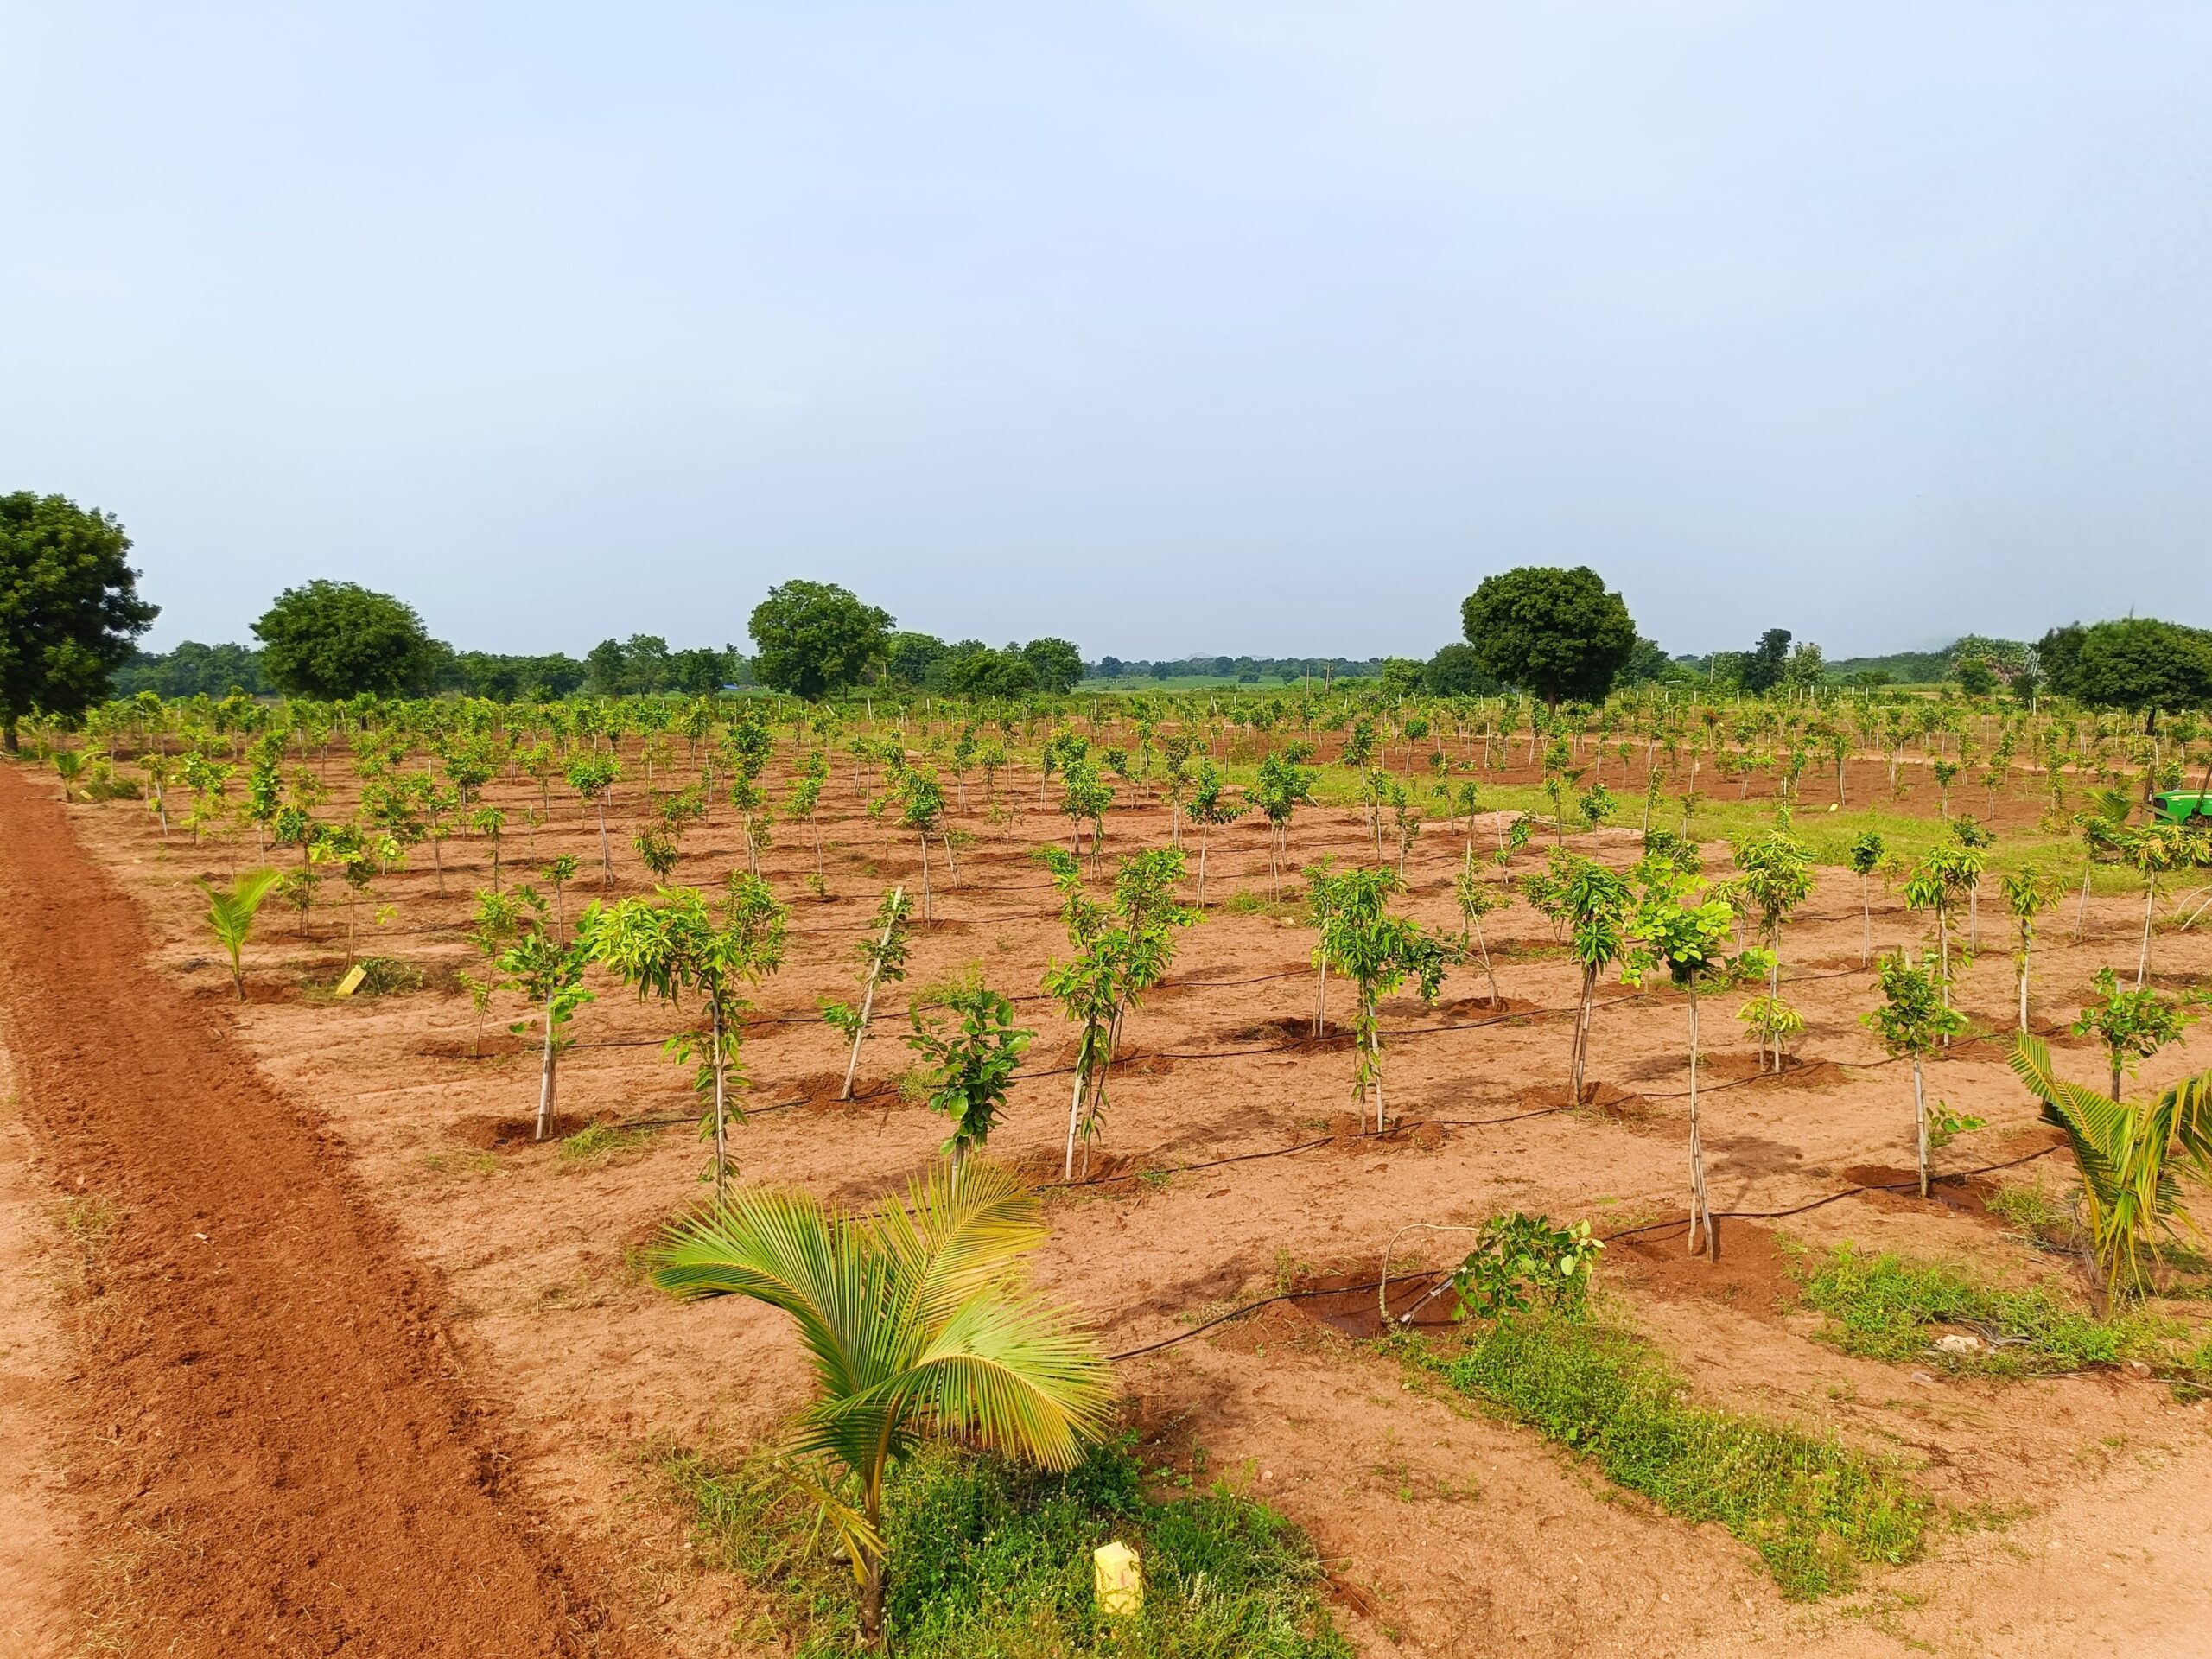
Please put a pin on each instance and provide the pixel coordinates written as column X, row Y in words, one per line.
column 1350, row 1304
column 1898, row 1192
column 1609, row 1098
column 495, row 1046
column 1752, row 1276
column 1735, row 1065
column 1293, row 1034
column 481, row 1133
column 1481, row 1007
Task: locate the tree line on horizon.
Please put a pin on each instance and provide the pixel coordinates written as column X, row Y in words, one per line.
column 73, row 617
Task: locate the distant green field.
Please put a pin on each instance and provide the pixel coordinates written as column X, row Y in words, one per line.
column 1132, row 685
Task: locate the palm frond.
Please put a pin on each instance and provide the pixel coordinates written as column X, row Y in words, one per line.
column 862, row 1541
column 960, row 1230
column 2188, row 1107
column 789, row 1251
column 230, row 915
column 1018, row 1378
column 2130, row 1190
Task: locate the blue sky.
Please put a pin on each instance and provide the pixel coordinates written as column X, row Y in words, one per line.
column 1165, row 326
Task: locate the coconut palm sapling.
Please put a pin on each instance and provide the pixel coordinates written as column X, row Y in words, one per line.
column 917, row 1322
column 2131, row 1157
column 231, row 913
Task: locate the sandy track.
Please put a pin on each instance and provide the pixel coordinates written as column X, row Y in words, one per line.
column 284, row 1459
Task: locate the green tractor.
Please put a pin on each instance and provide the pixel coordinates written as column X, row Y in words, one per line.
column 2180, row 805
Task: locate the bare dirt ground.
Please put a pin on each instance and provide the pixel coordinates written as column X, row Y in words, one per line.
column 457, row 1319
column 274, row 1450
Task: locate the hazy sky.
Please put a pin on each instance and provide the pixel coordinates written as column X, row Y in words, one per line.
column 1165, row 326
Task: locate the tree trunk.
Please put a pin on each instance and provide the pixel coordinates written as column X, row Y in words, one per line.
column 1701, row 1214
column 1919, row 1121
column 872, row 1592
column 867, row 1001
column 548, row 1078
column 1375, row 1060
column 606, row 849
column 722, row 1097
column 2150, row 906
column 1075, row 1116
column 1867, row 925
column 1581, row 1033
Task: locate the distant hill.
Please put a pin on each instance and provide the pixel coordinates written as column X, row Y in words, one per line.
column 1904, row 667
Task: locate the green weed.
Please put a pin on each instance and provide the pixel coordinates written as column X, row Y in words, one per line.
column 1883, row 1307
column 599, row 1143
column 1814, row 1509
column 990, row 1558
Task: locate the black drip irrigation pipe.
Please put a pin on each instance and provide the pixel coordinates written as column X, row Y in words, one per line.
column 1421, row 1275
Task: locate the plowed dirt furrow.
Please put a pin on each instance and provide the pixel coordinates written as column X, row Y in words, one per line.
column 286, row 1459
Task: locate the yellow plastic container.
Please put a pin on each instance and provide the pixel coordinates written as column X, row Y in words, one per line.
column 1120, row 1580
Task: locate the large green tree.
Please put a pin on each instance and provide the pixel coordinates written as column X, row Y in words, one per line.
column 974, row 669
column 69, row 607
column 812, row 638
column 192, row 670
column 336, row 639
column 2137, row 663
column 1556, row 633
column 1057, row 663
column 909, row 656
column 1456, row 671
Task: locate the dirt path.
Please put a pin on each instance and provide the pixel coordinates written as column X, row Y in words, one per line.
column 284, row 1459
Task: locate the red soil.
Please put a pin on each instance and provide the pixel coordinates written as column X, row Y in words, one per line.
column 285, row 1453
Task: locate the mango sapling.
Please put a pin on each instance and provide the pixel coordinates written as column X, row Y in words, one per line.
column 885, row 953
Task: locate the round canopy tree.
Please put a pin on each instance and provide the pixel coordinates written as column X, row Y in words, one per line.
column 1057, row 663
column 976, row 670
column 337, row 639
column 812, row 638
column 2138, row 663
column 69, row 607
column 1556, row 633
column 1456, row 671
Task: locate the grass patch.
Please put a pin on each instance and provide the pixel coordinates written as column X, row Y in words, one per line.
column 1245, row 902
column 1814, row 1509
column 1885, row 1306
column 599, row 1143
column 88, row 1223
column 2030, row 1210
column 989, row 1560
column 385, row 976
column 462, row 1161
